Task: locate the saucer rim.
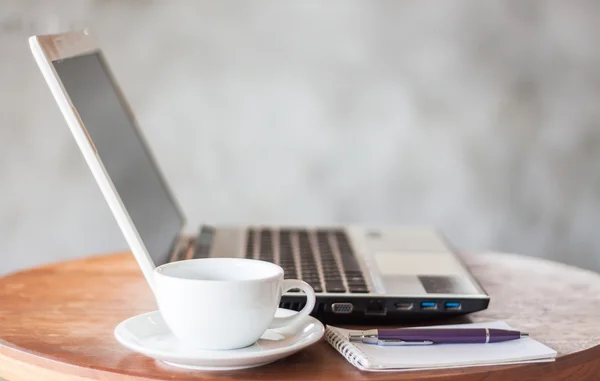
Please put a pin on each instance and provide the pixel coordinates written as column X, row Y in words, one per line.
column 310, row 339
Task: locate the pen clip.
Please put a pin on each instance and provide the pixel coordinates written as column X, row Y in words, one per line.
column 392, row 342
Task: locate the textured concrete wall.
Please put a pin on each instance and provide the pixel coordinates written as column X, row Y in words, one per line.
column 479, row 117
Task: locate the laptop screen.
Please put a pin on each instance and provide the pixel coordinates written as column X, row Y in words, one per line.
column 124, row 154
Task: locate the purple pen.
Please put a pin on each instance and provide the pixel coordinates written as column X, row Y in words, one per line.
column 424, row 336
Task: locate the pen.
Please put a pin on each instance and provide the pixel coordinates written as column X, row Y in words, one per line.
column 425, row 336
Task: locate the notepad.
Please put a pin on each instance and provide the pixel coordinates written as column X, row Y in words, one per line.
column 375, row 358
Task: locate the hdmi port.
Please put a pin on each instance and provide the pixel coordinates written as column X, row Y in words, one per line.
column 403, row 306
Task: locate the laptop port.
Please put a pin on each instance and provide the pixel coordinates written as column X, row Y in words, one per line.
column 452, row 306
column 375, row 307
column 403, row 306
column 342, row 308
column 429, row 306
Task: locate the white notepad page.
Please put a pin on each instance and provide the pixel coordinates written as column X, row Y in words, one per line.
column 381, row 358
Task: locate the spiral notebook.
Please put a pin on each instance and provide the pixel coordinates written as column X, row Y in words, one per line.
column 375, row 358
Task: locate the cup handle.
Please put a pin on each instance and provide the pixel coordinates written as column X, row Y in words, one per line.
column 288, row 284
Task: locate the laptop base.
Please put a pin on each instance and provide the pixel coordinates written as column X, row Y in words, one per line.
column 384, row 310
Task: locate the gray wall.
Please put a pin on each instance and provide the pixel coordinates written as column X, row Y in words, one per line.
column 481, row 118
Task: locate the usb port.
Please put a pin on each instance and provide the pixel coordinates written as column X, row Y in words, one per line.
column 428, row 305
column 452, row 306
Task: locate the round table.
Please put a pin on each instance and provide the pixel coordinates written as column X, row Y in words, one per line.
column 57, row 321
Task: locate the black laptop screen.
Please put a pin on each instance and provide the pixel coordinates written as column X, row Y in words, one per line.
column 124, row 154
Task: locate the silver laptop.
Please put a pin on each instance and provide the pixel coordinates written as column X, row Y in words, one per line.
column 361, row 274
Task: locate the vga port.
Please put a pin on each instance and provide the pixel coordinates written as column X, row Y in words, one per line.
column 342, row 308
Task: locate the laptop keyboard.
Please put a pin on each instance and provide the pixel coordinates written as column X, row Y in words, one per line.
column 300, row 251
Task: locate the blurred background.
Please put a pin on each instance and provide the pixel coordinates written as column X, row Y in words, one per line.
column 480, row 118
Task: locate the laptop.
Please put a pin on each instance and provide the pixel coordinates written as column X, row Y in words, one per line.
column 361, row 274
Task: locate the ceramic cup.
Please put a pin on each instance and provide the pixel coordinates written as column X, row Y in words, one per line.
column 224, row 303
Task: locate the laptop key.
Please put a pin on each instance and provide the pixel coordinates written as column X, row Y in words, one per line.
column 354, row 273
column 351, row 267
column 357, row 284
column 334, row 284
column 359, row 290
column 335, row 288
column 355, row 279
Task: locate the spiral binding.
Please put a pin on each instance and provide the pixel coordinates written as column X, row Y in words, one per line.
column 354, row 355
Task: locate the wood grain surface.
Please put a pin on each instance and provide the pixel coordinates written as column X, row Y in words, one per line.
column 57, row 321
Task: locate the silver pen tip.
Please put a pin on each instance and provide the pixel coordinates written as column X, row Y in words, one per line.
column 524, row 335
column 368, row 336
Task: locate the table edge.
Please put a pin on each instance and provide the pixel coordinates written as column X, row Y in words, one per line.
column 47, row 365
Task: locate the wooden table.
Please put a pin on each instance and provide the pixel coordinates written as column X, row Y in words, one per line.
column 57, row 321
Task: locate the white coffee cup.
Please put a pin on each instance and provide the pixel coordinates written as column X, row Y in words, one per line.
column 224, row 303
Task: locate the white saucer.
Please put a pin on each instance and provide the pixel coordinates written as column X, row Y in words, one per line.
column 148, row 334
